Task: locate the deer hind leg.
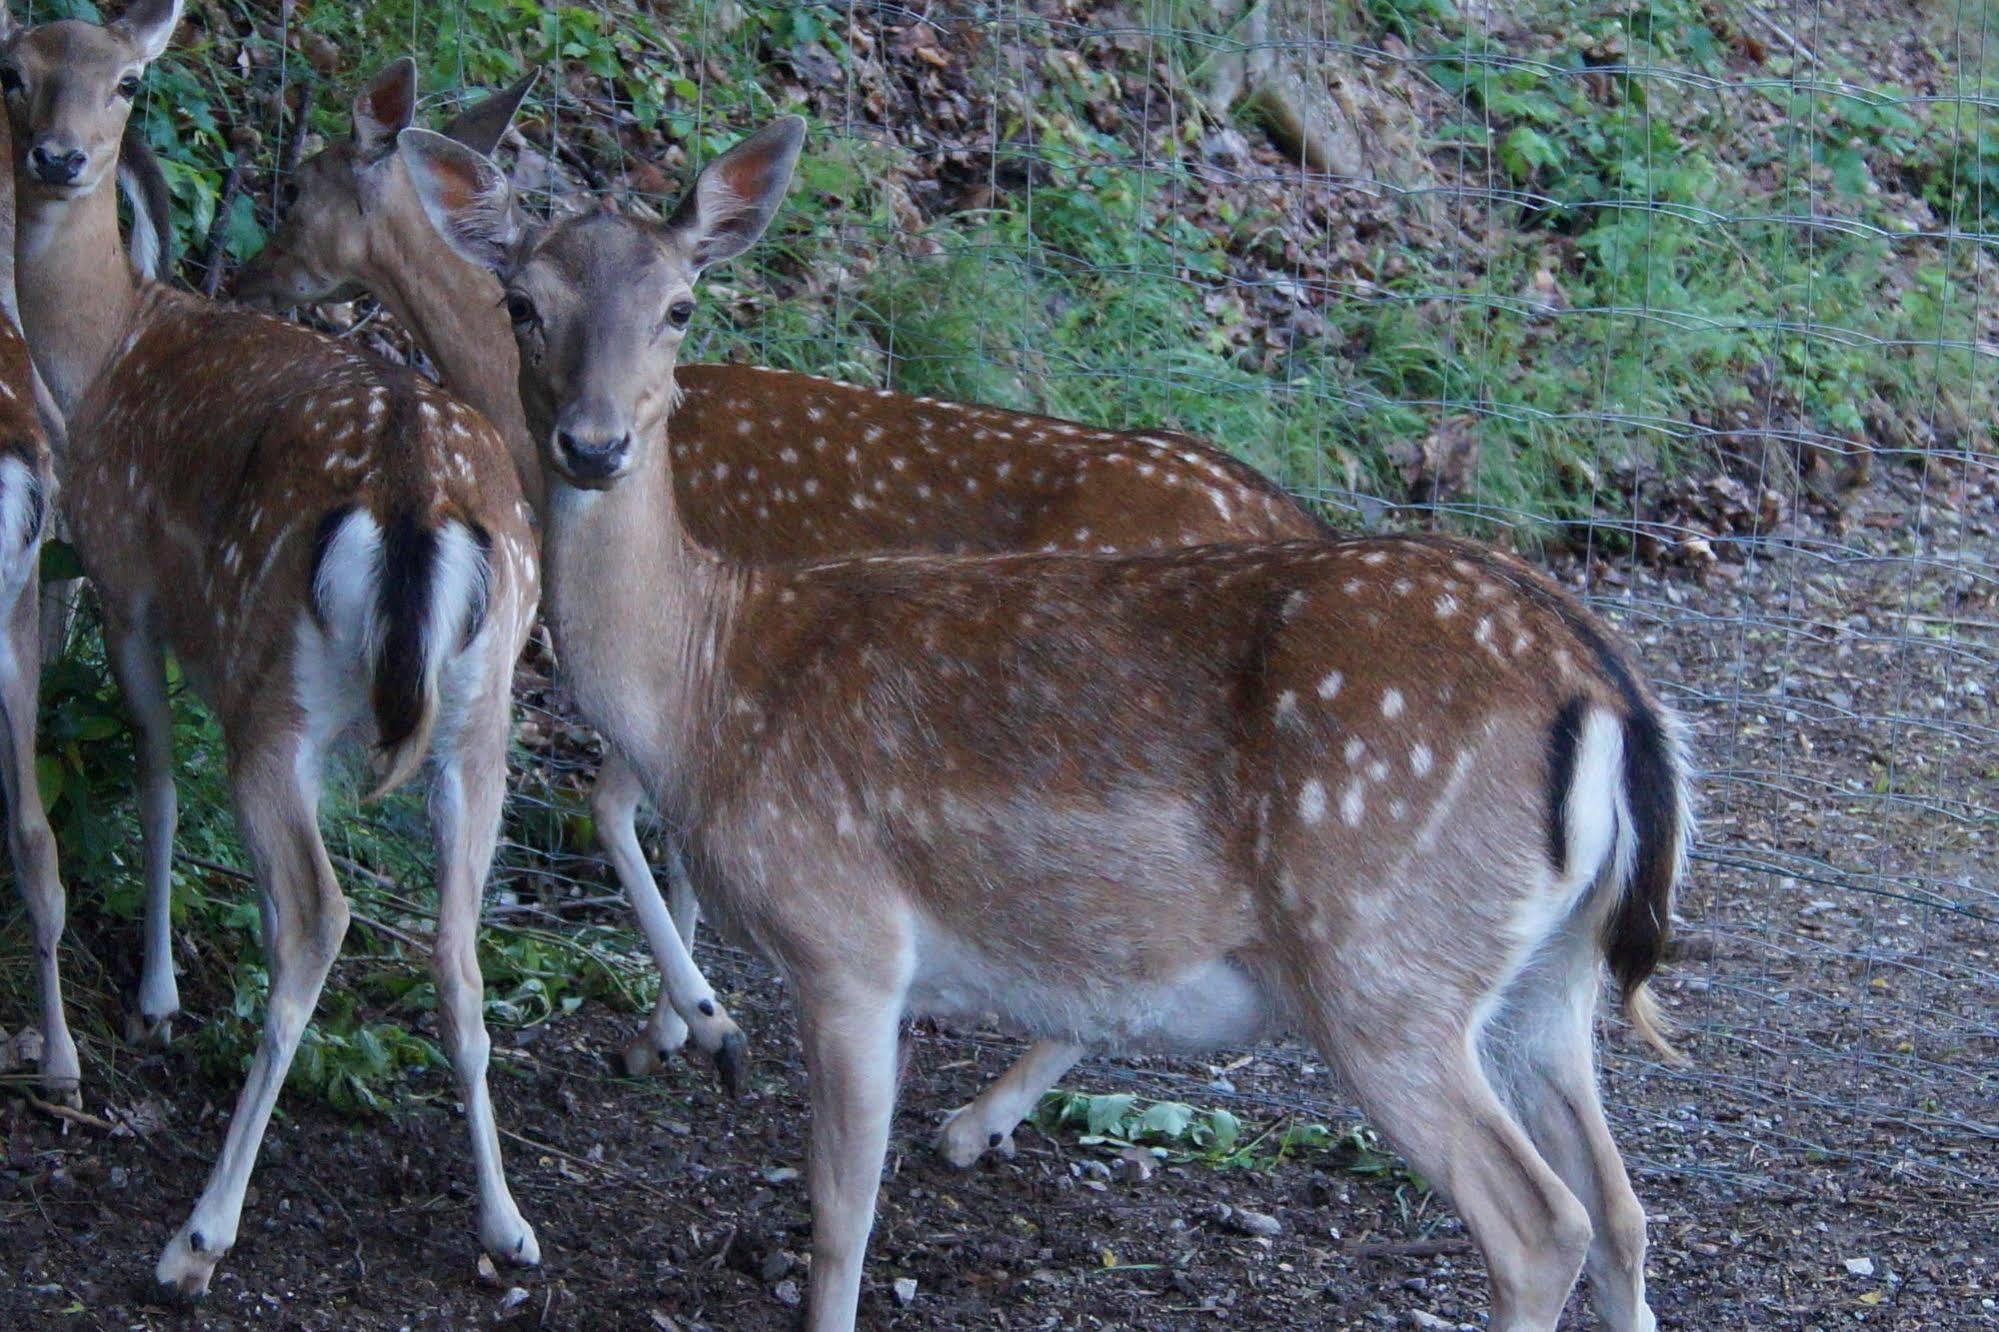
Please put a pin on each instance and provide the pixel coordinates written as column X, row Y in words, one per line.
column 1418, row 1079
column 465, row 821
column 1541, row 1052
column 276, row 806
column 851, row 1034
column 986, row 1123
column 139, row 664
column 32, row 843
column 687, row 1004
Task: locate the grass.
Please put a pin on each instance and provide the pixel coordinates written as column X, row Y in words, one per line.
column 1630, row 276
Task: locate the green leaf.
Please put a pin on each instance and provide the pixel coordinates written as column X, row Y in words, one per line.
column 1168, row 1119
column 49, row 778
column 59, row 561
column 1107, row 1113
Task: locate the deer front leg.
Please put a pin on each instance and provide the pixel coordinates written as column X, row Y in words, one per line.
column 850, row 1034
column 140, row 667
column 687, row 1004
column 32, row 843
column 987, row 1122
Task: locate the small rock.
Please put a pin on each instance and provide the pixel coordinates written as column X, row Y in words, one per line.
column 781, row 1175
column 1135, row 1165
column 786, row 1293
column 777, row 1265
column 515, row 1297
column 905, row 1291
column 488, row 1274
column 1860, row 1266
column 1260, row 1224
column 1417, row 1318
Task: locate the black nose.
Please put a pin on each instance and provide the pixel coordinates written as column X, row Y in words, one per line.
column 592, row 459
column 56, row 168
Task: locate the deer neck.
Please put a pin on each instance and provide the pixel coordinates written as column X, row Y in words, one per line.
column 77, row 292
column 641, row 616
column 455, row 313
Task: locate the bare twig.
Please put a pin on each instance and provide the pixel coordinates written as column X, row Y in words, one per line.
column 1804, row 52
column 211, row 250
column 69, row 1114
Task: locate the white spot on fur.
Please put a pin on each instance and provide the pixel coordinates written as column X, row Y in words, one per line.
column 1353, row 802
column 1420, row 760
column 1312, row 801
column 1329, row 685
column 1391, row 703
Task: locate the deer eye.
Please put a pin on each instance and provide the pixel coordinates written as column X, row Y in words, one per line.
column 679, row 313
column 10, row 79
column 521, row 310
column 128, row 87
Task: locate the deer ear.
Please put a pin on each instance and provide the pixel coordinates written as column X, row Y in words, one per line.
column 149, row 25
column 481, row 127
column 385, row 108
column 736, row 195
column 465, row 196
column 10, row 27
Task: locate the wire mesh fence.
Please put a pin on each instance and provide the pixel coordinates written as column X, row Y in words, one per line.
column 1694, row 303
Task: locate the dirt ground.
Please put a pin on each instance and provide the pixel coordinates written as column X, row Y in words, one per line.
column 1830, row 1159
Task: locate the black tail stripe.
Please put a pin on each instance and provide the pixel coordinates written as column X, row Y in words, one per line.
column 1636, row 939
column 1564, row 739
column 409, row 559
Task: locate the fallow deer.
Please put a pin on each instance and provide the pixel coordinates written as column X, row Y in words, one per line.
column 1399, row 794
column 27, row 494
column 331, row 546
column 822, row 469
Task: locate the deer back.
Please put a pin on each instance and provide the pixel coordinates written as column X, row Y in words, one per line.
column 213, row 448
column 781, row 466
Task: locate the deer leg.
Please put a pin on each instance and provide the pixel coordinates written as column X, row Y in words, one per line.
column 32, row 843
column 687, row 1004
column 308, row 919
column 850, row 1038
column 1543, row 1056
column 986, row 1123
column 465, row 821
column 1419, row 1082
column 140, row 667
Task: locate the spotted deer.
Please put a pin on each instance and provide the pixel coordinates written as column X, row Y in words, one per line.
column 27, row 494
column 822, row 469
column 331, row 547
column 1401, row 795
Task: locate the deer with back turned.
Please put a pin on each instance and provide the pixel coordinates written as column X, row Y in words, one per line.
column 332, row 547
column 1401, row 795
column 773, row 465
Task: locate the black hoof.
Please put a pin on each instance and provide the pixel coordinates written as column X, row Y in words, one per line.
column 732, row 1061
column 164, row 1294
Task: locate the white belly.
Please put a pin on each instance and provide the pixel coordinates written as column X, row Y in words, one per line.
column 1216, row 1004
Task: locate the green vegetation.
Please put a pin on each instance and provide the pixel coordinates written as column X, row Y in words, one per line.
column 1174, row 1131
column 1590, row 257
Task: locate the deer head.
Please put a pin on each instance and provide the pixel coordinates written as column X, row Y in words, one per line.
column 352, row 200
column 597, row 375
column 69, row 88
